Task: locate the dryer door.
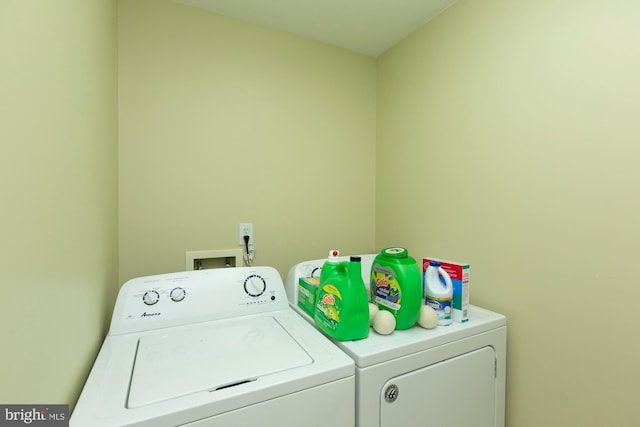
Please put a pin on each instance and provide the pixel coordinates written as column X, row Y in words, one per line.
column 457, row 392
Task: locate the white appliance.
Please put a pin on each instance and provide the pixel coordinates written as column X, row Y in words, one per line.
column 449, row 376
column 218, row 347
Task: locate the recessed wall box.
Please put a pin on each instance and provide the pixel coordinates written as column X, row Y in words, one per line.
column 221, row 258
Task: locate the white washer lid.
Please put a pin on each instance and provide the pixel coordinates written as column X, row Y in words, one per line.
column 198, row 358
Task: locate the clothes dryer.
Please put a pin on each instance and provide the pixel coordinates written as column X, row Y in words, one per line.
column 449, row 376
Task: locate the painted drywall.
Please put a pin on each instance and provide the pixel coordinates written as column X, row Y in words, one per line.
column 223, row 122
column 507, row 138
column 58, row 180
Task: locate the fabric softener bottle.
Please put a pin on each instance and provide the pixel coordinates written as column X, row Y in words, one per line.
column 396, row 285
column 342, row 306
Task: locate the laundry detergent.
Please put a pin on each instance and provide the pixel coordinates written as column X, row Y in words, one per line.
column 396, row 285
column 342, row 305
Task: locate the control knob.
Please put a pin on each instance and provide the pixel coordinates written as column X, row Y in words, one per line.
column 177, row 294
column 254, row 285
column 151, row 297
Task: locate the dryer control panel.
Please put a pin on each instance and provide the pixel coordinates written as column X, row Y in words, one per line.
column 174, row 299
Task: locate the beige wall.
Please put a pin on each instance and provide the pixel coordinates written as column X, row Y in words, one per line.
column 58, row 180
column 223, row 122
column 508, row 137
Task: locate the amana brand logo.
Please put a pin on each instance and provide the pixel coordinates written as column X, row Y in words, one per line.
column 145, row 314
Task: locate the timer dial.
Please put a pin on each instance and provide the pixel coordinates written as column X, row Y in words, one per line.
column 151, row 297
column 254, row 285
column 177, row 294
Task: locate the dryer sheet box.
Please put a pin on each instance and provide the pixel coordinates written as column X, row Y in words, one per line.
column 307, row 291
column 459, row 274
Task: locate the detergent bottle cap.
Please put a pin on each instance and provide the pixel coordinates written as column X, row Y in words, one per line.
column 355, row 259
column 333, row 255
column 396, row 252
column 434, row 263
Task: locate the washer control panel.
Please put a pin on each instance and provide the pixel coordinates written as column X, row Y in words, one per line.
column 152, row 296
column 175, row 299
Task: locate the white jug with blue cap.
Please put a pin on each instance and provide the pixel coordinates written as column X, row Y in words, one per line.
column 438, row 291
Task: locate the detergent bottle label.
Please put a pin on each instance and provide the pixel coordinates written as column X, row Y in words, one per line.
column 385, row 288
column 328, row 307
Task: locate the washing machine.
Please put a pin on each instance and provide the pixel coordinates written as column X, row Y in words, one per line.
column 449, row 376
column 219, row 347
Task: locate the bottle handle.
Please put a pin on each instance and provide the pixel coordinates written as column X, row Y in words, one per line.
column 445, row 276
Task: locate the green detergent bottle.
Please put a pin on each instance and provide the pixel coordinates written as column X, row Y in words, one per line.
column 330, row 265
column 396, row 285
column 342, row 306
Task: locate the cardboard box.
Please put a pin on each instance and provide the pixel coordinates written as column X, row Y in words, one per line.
column 459, row 274
column 307, row 291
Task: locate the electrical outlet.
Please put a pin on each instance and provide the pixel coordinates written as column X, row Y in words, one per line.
column 245, row 229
